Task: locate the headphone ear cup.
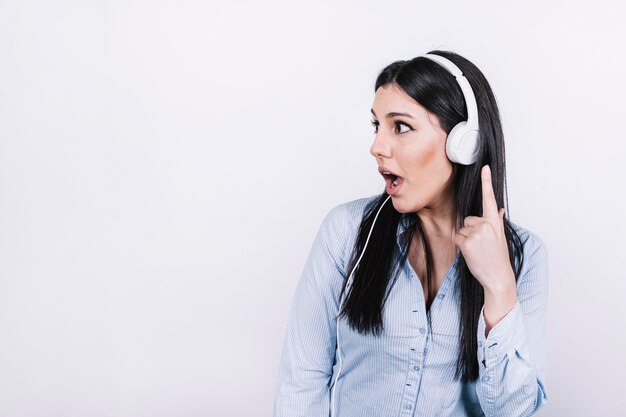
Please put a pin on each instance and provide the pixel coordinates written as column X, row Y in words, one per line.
column 462, row 144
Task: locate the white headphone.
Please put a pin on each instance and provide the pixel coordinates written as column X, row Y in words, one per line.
column 461, row 147
column 462, row 144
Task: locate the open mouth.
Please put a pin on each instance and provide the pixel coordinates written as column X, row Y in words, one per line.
column 392, row 180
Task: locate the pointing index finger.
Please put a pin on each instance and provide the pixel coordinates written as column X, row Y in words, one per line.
column 490, row 206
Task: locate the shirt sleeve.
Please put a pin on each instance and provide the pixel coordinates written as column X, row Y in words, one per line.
column 308, row 353
column 512, row 359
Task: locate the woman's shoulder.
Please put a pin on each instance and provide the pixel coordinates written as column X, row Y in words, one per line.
column 354, row 207
column 341, row 224
column 348, row 215
column 529, row 238
column 535, row 249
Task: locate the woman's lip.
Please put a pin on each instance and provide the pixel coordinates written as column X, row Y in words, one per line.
column 383, row 169
column 390, row 175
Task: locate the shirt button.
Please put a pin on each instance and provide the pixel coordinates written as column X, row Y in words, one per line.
column 480, row 344
column 440, row 296
column 407, row 406
column 486, row 379
column 416, row 368
column 422, row 330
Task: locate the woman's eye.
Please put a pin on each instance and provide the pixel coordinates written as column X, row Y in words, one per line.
column 400, row 126
column 375, row 124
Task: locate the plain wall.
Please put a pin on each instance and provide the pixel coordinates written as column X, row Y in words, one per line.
column 165, row 166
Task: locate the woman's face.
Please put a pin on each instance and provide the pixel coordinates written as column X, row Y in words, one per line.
column 410, row 143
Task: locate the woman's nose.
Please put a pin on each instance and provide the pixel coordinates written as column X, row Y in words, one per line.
column 380, row 147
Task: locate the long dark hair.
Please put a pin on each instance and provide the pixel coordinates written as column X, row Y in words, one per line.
column 435, row 88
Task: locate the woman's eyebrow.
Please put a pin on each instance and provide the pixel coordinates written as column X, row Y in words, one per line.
column 393, row 114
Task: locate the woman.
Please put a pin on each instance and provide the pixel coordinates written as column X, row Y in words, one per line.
column 433, row 304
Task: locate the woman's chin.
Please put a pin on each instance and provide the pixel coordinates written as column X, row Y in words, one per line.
column 403, row 206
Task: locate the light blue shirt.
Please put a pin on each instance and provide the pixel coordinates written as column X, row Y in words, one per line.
column 407, row 371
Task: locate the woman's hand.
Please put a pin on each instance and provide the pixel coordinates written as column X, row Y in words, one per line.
column 483, row 244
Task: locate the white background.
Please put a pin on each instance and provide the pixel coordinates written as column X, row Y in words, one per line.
column 165, row 165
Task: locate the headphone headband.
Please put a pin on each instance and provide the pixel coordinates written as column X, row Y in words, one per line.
column 466, row 88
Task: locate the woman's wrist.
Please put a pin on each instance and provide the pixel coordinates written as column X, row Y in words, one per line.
column 499, row 300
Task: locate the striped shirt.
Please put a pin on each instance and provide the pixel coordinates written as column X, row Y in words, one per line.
column 409, row 370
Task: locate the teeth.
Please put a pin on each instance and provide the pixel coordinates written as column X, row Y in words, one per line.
column 394, row 183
